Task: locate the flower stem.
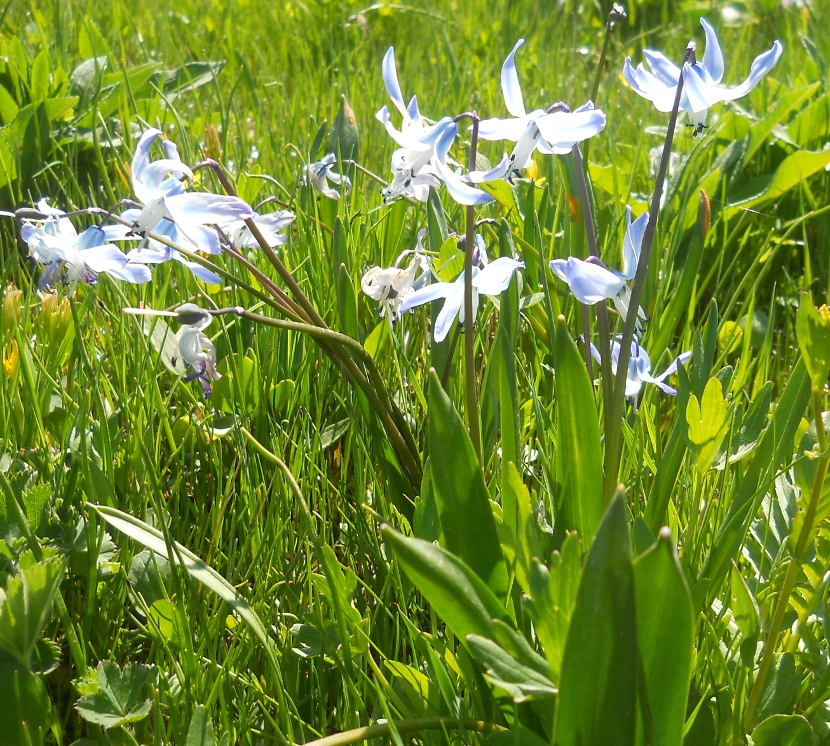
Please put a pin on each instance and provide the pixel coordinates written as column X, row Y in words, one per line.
column 381, row 730
column 613, row 435
column 795, row 562
column 469, row 325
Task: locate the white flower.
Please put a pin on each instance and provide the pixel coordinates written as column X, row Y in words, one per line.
column 555, row 132
column 701, row 81
column 318, row 175
column 639, row 368
column 492, row 280
column 591, row 281
column 55, row 244
column 391, row 286
column 271, row 225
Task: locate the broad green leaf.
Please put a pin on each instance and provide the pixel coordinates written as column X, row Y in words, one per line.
column 237, row 392
column 578, row 449
column 812, row 326
column 503, row 670
column 708, row 421
column 421, row 696
column 39, row 77
column 34, row 503
column 121, row 698
column 167, row 622
column 553, row 594
column 783, row 730
column 450, row 261
column 792, row 171
column 153, row 539
column 465, row 604
column 665, row 632
column 200, row 732
column 781, row 689
column 26, row 603
column 599, row 670
column 460, row 492
column 149, row 575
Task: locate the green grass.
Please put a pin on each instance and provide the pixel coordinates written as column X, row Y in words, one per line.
column 90, row 409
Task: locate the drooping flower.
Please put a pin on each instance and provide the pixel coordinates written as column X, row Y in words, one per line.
column 318, row 175
column 639, row 368
column 493, row 279
column 271, row 225
column 554, row 132
column 591, row 281
column 412, row 169
column 72, row 257
column 392, row 285
column 195, row 348
column 701, row 81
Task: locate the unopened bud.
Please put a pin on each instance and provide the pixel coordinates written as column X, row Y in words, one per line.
column 12, row 308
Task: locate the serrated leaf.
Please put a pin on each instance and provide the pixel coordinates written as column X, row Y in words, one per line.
column 120, row 699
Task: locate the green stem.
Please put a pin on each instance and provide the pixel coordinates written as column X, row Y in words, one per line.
column 469, row 325
column 613, row 436
column 795, row 562
column 381, row 730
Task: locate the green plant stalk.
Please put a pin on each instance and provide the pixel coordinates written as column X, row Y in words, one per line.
column 795, row 561
column 602, row 309
column 381, row 730
column 473, row 424
column 613, row 436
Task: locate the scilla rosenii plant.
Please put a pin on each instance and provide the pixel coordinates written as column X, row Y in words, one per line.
column 587, row 627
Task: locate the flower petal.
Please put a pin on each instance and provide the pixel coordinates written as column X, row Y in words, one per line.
column 141, row 159
column 510, row 84
column 204, row 208
column 495, row 277
column 449, row 312
column 502, row 129
column 494, row 174
column 632, row 242
column 588, row 282
column 202, row 273
column 565, row 129
column 106, row 258
column 666, row 72
column 426, row 294
column 390, row 81
column 646, row 85
column 713, row 56
column 134, row 273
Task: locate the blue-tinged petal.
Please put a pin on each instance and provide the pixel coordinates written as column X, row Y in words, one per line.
column 157, row 254
column 494, row 174
column 202, row 273
column 567, row 128
column 663, row 68
column 632, row 242
column 205, row 208
column 390, row 80
column 165, row 173
column 141, row 159
column 405, row 140
column 713, row 56
column 202, row 237
column 171, row 150
column 104, row 258
column 646, row 85
column 588, row 282
column 134, row 273
column 510, row 84
column 681, row 359
column 450, row 310
column 495, row 277
column 502, row 129
column 413, row 111
column 118, row 232
column 459, row 191
column 426, row 295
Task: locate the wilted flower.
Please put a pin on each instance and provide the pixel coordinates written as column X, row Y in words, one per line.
column 318, row 175
column 591, row 281
column 554, row 132
column 195, row 349
column 701, row 81
column 639, row 367
column 55, row 244
column 391, row 286
column 492, row 280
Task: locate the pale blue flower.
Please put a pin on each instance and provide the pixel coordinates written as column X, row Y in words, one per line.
column 701, row 81
column 555, row 132
column 195, row 348
column 591, row 281
column 639, row 368
column 72, row 257
column 318, row 175
column 272, row 226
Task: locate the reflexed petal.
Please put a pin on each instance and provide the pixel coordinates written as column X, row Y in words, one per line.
column 205, row 208
column 588, row 282
column 202, row 237
column 502, row 129
column 495, row 277
column 713, row 56
column 494, row 174
column 646, row 85
column 459, row 191
column 165, row 175
column 449, row 312
column 632, row 242
column 141, row 159
column 510, row 84
column 376, row 282
column 390, row 80
column 405, row 140
column 103, row 258
column 681, row 359
column 663, row 68
column 202, row 273
column 171, row 150
column 567, row 128
column 134, row 273
column 427, row 294
column 412, row 110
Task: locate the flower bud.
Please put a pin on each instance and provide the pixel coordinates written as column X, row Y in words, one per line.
column 812, row 326
column 55, row 318
column 12, row 307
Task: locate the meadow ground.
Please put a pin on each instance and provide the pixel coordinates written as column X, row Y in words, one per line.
column 292, row 619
